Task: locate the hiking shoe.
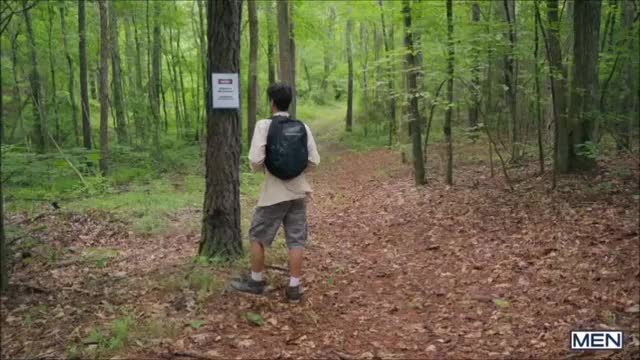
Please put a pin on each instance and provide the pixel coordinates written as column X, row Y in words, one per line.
column 294, row 295
column 248, row 285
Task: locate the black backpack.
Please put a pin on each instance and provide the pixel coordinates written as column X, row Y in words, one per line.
column 286, row 153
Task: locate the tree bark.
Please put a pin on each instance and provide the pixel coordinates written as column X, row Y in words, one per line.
column 252, row 91
column 558, row 80
column 185, row 110
column 285, row 51
column 364, row 39
column 71, row 88
column 349, row 118
column 390, row 94
column 40, row 130
column 631, row 82
column 450, row 64
column 475, row 71
column 511, row 77
column 84, row 94
column 52, row 69
column 329, row 52
column 141, row 132
column 118, row 97
column 584, row 84
column 270, row 46
column 154, row 82
column 221, row 235
column 4, row 266
column 412, row 85
column 537, row 82
column 104, row 89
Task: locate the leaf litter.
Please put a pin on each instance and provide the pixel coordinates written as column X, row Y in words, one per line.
column 391, row 272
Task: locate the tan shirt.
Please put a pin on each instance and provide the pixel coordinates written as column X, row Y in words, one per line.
column 275, row 190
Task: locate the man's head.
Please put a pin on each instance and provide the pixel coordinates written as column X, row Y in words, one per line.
column 279, row 96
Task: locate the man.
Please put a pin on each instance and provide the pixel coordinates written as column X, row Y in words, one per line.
column 281, row 201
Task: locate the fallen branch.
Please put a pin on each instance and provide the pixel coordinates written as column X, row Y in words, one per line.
column 277, row 268
column 192, row 355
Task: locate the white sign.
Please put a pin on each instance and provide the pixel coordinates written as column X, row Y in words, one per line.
column 226, row 93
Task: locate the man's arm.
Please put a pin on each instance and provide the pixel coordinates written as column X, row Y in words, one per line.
column 257, row 151
column 314, row 157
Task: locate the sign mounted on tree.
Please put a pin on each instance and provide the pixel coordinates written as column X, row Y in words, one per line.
column 225, row 90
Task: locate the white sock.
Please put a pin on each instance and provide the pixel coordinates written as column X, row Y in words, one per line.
column 256, row 276
column 294, row 281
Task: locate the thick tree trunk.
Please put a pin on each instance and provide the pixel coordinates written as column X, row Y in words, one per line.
column 252, row 91
column 117, row 96
column 40, row 130
column 412, row 85
column 584, row 83
column 349, row 118
column 221, row 235
column 450, row 64
column 71, row 88
column 104, row 89
column 475, row 72
column 84, row 94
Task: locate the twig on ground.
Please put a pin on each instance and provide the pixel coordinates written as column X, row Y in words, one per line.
column 191, row 355
column 277, row 268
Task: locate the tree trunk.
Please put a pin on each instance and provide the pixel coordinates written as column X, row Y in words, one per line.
column 285, row 51
column 536, row 74
column 84, row 95
column 584, row 83
column 173, row 76
column 118, row 98
column 292, row 54
column 203, row 57
column 252, row 91
column 221, row 235
column 329, row 52
column 390, row 94
column 631, row 82
column 475, row 71
column 412, row 85
column 365, row 73
column 511, row 77
column 154, row 82
column 4, row 266
column 141, row 132
column 52, row 69
column 16, row 82
column 450, row 64
column 104, row 89
column 71, row 88
column 350, row 83
column 185, row 110
column 558, row 80
column 40, row 130
column 270, row 47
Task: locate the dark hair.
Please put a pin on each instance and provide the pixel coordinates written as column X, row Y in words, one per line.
column 280, row 93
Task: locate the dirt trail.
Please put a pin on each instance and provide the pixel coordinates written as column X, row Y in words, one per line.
column 391, row 272
column 469, row 272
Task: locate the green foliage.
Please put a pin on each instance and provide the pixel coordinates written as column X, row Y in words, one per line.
column 588, row 150
column 196, row 324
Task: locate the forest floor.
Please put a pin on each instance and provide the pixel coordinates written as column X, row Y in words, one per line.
column 392, row 272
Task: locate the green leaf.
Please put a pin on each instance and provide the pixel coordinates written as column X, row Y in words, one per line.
column 501, row 303
column 254, row 318
column 196, row 324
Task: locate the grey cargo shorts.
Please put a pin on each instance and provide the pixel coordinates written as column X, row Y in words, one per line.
column 267, row 219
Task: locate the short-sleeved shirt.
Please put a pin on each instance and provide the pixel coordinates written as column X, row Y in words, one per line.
column 275, row 190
